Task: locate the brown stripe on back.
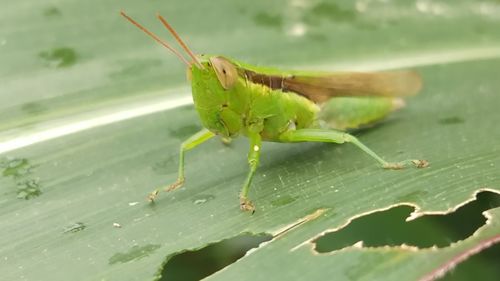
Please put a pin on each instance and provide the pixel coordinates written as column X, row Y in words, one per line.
column 286, row 84
column 321, row 88
column 271, row 81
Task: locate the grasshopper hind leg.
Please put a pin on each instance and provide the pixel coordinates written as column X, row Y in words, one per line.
column 334, row 136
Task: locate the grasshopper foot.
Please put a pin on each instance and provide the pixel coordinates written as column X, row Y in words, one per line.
column 393, row 166
column 226, row 140
column 175, row 185
column 247, row 205
column 401, row 165
column 152, row 196
column 420, row 163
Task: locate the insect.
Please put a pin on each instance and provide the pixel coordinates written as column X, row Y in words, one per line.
column 234, row 98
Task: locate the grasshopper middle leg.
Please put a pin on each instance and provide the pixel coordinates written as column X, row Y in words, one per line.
column 253, row 162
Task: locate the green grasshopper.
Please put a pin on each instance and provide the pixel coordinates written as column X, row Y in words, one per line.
column 233, row 98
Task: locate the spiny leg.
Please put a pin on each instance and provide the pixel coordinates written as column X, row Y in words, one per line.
column 323, row 135
column 253, row 162
column 188, row 144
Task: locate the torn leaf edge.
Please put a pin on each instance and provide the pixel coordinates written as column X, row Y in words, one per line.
column 414, row 215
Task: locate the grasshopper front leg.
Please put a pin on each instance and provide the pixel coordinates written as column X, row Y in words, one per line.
column 333, row 136
column 253, row 162
column 188, row 144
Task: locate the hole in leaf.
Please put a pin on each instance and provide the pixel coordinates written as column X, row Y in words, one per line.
column 198, row 264
column 389, row 228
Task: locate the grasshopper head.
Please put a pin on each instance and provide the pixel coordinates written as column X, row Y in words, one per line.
column 212, row 87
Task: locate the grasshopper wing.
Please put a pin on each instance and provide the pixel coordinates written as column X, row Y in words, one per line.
column 320, row 88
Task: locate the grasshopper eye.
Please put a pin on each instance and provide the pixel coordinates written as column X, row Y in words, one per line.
column 226, row 72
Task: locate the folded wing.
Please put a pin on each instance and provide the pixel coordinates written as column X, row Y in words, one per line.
column 349, row 100
column 382, row 84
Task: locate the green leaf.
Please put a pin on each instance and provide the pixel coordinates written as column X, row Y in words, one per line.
column 106, row 100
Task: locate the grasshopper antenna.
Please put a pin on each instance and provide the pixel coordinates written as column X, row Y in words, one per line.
column 179, row 40
column 156, row 38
